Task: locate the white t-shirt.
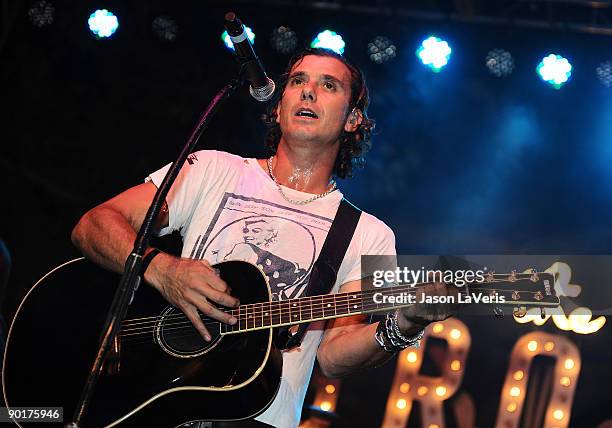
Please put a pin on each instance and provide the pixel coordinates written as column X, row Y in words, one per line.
column 227, row 208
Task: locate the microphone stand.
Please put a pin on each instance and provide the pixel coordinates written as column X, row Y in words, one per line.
column 131, row 274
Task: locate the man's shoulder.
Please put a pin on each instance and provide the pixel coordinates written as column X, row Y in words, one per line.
column 371, row 224
column 218, row 156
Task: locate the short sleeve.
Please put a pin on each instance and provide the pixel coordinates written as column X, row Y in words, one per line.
column 377, row 239
column 192, row 184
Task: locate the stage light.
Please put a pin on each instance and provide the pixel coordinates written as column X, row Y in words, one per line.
column 103, row 23
column 228, row 42
column 558, row 414
column 455, row 334
column 515, row 391
column 412, row 357
column 499, row 62
column 518, row 375
column 326, row 406
column 330, row 389
column 565, row 381
column 440, row 391
column 438, row 328
column 165, row 28
column 555, row 70
column 284, row 40
column 434, row 53
column 381, row 50
column 549, row 346
column 604, row 73
column 532, row 345
column 511, row 407
column 404, row 388
column 422, row 390
column 329, row 40
column 401, row 403
column 569, row 364
column 41, row 14
column 455, row 365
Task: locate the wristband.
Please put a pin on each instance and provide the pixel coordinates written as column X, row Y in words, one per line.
column 146, row 260
column 391, row 339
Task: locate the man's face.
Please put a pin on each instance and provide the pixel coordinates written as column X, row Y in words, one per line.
column 315, row 102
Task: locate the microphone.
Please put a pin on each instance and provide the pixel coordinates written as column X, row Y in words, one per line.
column 262, row 87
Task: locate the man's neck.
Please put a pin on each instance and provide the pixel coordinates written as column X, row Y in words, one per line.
column 302, row 168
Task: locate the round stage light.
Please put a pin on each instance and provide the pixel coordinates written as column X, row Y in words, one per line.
column 284, row 40
column 434, row 53
column 604, row 73
column 103, row 23
column 381, row 49
column 41, row 14
column 500, row 62
column 555, row 70
column 165, row 28
column 329, row 40
column 228, row 41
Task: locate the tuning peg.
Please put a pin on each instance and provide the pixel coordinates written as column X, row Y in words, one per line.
column 498, row 311
column 534, row 275
column 542, row 313
column 520, row 312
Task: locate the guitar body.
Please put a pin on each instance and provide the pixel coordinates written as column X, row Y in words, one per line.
column 160, row 373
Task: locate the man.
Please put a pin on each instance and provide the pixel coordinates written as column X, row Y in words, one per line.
column 318, row 128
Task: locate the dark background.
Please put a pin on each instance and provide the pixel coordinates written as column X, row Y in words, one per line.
column 463, row 162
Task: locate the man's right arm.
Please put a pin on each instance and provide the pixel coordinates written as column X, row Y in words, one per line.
column 106, row 235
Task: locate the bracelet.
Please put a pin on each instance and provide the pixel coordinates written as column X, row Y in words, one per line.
column 146, row 260
column 412, row 341
column 390, row 338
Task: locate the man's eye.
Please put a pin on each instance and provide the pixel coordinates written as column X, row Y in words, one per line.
column 330, row 86
column 297, row 80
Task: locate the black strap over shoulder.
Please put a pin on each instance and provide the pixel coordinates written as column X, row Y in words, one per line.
column 325, row 269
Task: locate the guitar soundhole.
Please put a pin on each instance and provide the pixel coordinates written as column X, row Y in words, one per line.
column 177, row 336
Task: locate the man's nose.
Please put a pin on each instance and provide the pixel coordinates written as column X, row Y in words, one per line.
column 308, row 94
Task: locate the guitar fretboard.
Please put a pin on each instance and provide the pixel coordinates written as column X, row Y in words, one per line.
column 313, row 308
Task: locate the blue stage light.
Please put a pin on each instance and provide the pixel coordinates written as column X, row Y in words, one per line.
column 329, row 40
column 228, row 41
column 103, row 23
column 555, row 70
column 434, row 53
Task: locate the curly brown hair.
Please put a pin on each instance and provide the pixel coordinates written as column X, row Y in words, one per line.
column 353, row 145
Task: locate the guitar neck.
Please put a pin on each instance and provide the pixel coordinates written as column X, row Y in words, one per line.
column 329, row 306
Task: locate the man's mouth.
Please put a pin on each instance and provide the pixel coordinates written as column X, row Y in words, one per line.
column 306, row 112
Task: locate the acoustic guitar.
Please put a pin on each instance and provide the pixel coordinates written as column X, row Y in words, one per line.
column 160, row 372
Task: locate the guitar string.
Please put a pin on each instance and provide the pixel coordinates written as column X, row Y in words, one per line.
column 185, row 323
column 137, row 321
column 282, row 308
column 250, row 319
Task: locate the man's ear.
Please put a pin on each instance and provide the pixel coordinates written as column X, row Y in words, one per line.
column 353, row 120
column 277, row 112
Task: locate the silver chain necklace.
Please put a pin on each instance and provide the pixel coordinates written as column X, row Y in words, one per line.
column 294, row 201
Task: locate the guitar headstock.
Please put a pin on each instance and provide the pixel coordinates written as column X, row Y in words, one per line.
column 522, row 290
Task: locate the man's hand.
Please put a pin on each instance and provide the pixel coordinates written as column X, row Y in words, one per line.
column 419, row 315
column 191, row 285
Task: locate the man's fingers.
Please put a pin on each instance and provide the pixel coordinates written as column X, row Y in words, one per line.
column 222, row 298
column 192, row 313
column 217, row 283
column 215, row 313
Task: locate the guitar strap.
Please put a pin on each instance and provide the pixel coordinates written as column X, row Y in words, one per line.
column 325, row 269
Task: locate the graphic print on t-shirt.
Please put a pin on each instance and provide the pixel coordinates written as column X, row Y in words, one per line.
column 283, row 242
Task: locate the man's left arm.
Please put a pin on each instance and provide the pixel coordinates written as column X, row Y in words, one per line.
column 348, row 343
